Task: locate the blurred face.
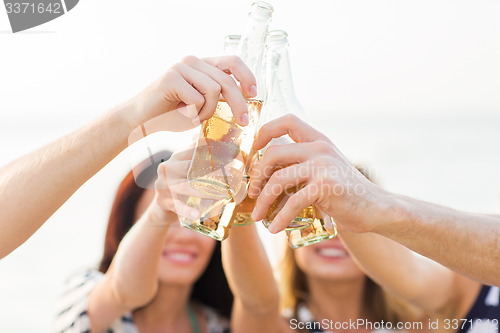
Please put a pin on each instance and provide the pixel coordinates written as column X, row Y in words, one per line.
column 327, row 260
column 186, row 253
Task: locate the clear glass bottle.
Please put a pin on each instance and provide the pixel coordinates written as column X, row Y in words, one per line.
column 244, row 205
column 216, row 219
column 311, row 225
column 222, row 154
column 231, row 44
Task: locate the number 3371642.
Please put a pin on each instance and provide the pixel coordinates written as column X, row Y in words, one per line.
column 461, row 323
column 31, row 8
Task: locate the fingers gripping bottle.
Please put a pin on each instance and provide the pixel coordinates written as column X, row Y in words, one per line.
column 220, row 159
column 311, row 225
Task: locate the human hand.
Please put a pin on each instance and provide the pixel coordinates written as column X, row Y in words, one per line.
column 172, row 189
column 325, row 177
column 188, row 93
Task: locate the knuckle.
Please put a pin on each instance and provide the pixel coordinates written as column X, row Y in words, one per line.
column 294, row 202
column 171, row 74
column 199, row 101
column 277, row 176
column 264, row 128
column 322, row 167
column 226, row 81
column 177, row 67
column 215, row 88
column 323, row 147
column 190, row 60
column 290, row 120
column 270, row 152
column 234, row 60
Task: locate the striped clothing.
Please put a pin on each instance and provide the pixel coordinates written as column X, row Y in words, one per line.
column 484, row 315
column 72, row 307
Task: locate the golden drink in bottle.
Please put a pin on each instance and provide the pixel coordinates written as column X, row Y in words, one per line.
column 243, row 211
column 221, row 156
column 321, row 229
column 216, row 220
column 304, row 219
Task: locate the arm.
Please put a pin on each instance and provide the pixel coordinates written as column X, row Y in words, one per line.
column 33, row 187
column 464, row 242
column 250, row 276
column 132, row 279
column 424, row 283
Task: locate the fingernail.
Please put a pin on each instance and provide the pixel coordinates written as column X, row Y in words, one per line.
column 253, row 91
column 244, row 119
column 272, row 228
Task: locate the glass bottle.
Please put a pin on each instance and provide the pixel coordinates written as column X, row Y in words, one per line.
column 311, row 225
column 231, row 44
column 244, row 205
column 221, row 157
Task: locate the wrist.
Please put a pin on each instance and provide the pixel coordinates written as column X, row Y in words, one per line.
column 125, row 116
column 156, row 216
column 392, row 214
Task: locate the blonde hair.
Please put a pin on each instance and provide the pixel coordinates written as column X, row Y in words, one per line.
column 294, row 291
column 379, row 304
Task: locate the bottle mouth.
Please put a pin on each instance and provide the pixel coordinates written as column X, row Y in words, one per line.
column 235, row 38
column 263, row 6
column 262, row 9
column 277, row 37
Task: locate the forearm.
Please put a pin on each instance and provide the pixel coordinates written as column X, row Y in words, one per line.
column 33, row 187
column 132, row 279
column 249, row 271
column 399, row 271
column 133, row 275
column 464, row 242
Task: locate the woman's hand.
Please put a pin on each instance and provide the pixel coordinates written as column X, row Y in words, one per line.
column 193, row 87
column 327, row 179
column 172, row 189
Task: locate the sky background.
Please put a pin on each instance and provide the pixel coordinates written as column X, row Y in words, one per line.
column 409, row 89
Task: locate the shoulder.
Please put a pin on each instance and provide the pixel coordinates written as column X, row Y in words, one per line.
column 71, row 310
column 77, row 287
column 71, row 306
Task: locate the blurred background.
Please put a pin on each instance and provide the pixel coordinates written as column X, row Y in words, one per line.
column 410, row 90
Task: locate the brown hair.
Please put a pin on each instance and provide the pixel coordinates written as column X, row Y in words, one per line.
column 211, row 289
column 294, row 291
column 379, row 304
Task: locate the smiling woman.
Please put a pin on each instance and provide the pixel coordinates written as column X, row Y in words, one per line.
column 321, row 283
column 178, row 284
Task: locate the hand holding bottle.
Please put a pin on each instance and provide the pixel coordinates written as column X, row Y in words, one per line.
column 194, row 87
column 327, row 179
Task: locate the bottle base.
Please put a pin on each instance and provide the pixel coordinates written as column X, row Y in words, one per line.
column 204, row 230
column 295, row 224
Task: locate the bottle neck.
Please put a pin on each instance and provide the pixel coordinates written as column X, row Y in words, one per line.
column 281, row 92
column 251, row 49
column 231, row 43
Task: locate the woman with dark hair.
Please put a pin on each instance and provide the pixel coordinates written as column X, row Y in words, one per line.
column 158, row 276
